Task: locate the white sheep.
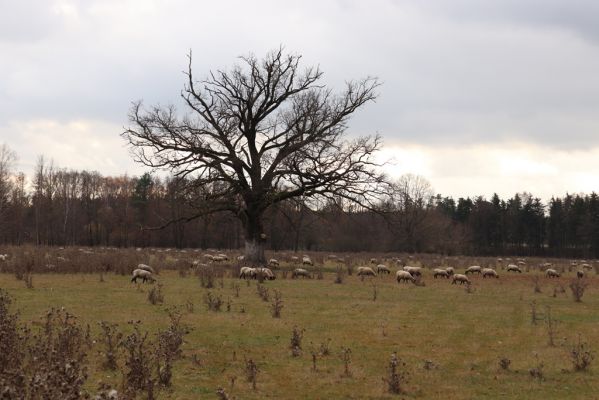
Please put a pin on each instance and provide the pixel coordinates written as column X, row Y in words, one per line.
column 404, row 276
column 3, row 257
column 414, row 271
column 450, row 270
column 374, row 261
column 294, row 259
column 490, row 272
column 473, row 269
column 513, row 268
column 146, row 268
column 551, row 273
column 440, row 272
column 580, row 274
column 300, row 272
column 143, row 275
column 365, row 271
column 219, row 258
column 273, row 262
column 307, row 261
column 462, row 279
column 266, row 273
column 586, row 266
column 381, row 268
column 240, row 258
column 247, row 272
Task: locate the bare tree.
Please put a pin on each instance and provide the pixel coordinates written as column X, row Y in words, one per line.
column 7, row 160
column 412, row 194
column 258, row 134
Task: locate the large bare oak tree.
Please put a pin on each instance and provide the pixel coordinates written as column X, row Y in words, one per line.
column 260, row 133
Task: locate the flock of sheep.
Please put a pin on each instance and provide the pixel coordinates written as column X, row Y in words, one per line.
column 405, row 274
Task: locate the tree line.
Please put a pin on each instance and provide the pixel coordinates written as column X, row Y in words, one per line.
column 82, row 208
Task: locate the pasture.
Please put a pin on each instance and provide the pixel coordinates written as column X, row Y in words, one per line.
column 449, row 338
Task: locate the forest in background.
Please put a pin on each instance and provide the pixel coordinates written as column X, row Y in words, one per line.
column 65, row 207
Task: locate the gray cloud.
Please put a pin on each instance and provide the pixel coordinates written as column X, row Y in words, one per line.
column 27, row 20
column 464, row 72
column 576, row 16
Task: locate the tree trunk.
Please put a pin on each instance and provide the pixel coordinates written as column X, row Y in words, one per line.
column 255, row 238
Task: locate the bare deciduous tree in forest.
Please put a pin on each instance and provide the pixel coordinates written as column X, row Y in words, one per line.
column 7, row 159
column 263, row 132
column 411, row 196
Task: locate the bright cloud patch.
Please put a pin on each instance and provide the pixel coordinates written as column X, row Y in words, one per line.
column 81, row 144
column 505, row 168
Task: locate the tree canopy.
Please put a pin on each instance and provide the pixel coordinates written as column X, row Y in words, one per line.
column 258, row 134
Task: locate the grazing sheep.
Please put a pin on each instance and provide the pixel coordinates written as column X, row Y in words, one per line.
column 209, row 256
column 273, row 262
column 513, row 268
column 440, row 272
column 490, row 272
column 580, row 274
column 586, row 266
column 143, row 275
column 307, row 261
column 3, row 257
column 300, row 272
column 247, row 272
column 294, row 259
column 551, row 273
column 146, row 268
column 240, row 258
column 374, row 261
column 266, row 273
column 404, row 276
column 473, row 269
column 462, row 279
column 414, row 271
column 219, row 258
column 449, row 270
column 382, row 269
column 365, row 271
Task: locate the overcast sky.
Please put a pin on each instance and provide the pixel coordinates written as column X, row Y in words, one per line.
column 477, row 96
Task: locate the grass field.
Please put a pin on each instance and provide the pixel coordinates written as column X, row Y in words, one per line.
column 451, row 341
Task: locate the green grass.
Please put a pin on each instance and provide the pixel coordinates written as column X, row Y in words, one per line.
column 463, row 334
